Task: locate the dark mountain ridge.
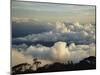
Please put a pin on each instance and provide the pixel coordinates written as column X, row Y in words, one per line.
column 85, row 64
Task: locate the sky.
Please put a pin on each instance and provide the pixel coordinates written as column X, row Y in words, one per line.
column 53, row 12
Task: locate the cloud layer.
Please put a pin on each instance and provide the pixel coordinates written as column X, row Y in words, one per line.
column 62, row 31
column 60, row 52
column 80, row 40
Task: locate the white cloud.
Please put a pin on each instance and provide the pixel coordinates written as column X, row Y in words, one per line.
column 61, row 27
column 79, row 52
column 18, row 57
column 78, row 55
column 60, row 52
column 62, row 32
column 41, row 51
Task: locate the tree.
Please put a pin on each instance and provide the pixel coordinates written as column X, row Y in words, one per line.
column 70, row 62
column 36, row 62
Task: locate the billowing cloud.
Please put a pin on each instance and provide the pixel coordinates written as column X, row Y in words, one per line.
column 77, row 33
column 57, row 53
column 80, row 37
column 79, row 52
column 60, row 52
column 40, row 51
column 19, row 57
column 60, row 27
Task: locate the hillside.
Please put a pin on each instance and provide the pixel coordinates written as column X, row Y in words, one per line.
column 85, row 64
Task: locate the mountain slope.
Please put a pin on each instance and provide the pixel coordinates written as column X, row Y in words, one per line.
column 85, row 64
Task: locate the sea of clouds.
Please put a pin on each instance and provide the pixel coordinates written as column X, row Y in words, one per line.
column 80, row 37
column 60, row 52
column 59, row 31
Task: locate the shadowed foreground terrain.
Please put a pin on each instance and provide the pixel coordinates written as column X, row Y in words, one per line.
column 85, row 64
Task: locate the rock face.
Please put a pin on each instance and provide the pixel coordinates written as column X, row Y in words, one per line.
column 85, row 64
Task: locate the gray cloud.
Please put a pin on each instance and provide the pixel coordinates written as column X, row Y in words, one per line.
column 61, row 32
column 23, row 27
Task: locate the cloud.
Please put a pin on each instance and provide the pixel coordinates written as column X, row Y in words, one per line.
column 18, row 57
column 40, row 51
column 80, row 37
column 79, row 52
column 20, row 46
column 60, row 52
column 60, row 31
column 24, row 26
column 60, row 27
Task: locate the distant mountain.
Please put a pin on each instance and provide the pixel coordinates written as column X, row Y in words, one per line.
column 90, row 60
column 85, row 64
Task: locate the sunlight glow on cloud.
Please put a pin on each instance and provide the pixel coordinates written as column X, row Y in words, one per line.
column 18, row 57
column 60, row 52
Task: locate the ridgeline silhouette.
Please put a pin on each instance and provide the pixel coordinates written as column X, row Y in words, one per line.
column 85, row 64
